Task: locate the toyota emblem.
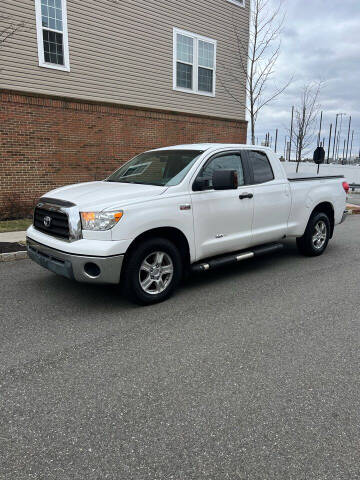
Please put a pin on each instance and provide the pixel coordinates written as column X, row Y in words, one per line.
column 47, row 221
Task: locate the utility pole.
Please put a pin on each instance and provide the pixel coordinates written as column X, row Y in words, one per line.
column 340, row 131
column 329, row 146
column 352, row 141
column 291, row 131
column 276, row 139
column 337, row 146
column 335, row 136
column 319, row 136
column 348, row 139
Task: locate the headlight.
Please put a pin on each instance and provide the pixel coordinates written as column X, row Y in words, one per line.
column 100, row 220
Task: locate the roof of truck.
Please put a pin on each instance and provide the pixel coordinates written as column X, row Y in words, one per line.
column 210, row 146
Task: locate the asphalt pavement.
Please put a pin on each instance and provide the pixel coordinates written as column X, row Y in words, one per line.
column 354, row 198
column 251, row 372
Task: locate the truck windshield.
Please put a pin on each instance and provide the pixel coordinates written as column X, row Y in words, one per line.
column 164, row 167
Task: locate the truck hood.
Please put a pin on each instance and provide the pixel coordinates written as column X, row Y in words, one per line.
column 97, row 196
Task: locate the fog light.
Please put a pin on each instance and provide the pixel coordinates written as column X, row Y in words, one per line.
column 92, row 270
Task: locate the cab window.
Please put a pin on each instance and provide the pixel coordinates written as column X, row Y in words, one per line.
column 230, row 161
column 261, row 167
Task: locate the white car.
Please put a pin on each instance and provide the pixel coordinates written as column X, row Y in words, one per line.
column 181, row 208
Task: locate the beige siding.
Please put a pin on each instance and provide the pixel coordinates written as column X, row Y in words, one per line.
column 122, row 52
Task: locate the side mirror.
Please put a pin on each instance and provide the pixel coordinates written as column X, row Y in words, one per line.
column 319, row 156
column 201, row 184
column 225, row 180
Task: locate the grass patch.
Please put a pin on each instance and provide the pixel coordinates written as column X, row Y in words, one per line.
column 15, row 225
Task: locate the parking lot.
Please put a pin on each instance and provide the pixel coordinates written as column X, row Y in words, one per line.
column 251, row 372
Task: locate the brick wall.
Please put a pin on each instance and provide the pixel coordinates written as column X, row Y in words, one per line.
column 49, row 142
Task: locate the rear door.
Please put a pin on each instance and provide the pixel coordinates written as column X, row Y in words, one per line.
column 272, row 200
column 222, row 218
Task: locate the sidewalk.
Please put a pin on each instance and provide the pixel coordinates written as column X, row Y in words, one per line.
column 12, row 237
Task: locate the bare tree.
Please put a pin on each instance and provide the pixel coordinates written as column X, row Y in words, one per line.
column 305, row 115
column 8, row 28
column 256, row 60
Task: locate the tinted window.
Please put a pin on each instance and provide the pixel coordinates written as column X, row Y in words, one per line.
column 231, row 161
column 261, row 167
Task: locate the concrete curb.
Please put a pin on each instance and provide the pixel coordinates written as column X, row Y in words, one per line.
column 9, row 257
column 353, row 209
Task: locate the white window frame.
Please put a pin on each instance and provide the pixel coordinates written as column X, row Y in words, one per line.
column 239, row 3
column 40, row 41
column 195, row 64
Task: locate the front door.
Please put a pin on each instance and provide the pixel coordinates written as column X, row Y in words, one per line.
column 222, row 218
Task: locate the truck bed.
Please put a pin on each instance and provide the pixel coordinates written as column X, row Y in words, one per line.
column 296, row 177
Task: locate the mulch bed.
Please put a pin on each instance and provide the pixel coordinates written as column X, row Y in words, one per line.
column 7, row 247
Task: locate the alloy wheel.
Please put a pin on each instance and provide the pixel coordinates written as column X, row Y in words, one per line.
column 156, row 273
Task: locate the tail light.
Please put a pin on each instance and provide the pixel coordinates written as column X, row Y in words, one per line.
column 346, row 187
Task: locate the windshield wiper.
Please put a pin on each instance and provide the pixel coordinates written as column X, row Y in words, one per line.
column 137, row 183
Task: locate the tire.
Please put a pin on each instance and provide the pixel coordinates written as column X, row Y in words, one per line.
column 147, row 281
column 316, row 237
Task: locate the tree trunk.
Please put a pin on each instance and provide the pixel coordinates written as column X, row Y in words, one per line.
column 252, row 131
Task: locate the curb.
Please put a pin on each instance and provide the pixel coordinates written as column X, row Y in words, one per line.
column 8, row 257
column 353, row 209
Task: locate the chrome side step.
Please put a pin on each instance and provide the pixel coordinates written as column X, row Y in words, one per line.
column 236, row 257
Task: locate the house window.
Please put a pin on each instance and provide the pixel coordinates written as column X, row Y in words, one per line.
column 51, row 23
column 194, row 63
column 240, row 3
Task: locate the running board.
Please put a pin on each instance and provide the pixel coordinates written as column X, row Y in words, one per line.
column 236, row 257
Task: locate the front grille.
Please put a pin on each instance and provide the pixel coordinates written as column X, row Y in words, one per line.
column 59, row 223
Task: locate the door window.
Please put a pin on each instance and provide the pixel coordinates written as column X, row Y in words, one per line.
column 261, row 167
column 230, row 161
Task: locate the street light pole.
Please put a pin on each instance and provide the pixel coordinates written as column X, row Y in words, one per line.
column 339, row 137
column 328, row 157
column 319, row 136
column 352, row 141
column 335, row 149
column 335, row 136
column 348, row 139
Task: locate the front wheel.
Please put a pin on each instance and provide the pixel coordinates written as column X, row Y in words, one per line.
column 316, row 237
column 152, row 271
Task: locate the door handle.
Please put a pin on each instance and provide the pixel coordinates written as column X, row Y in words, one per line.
column 246, row 195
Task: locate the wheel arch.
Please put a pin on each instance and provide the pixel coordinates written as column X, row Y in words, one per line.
column 328, row 208
column 172, row 234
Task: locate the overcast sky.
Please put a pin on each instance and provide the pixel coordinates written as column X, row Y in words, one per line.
column 320, row 41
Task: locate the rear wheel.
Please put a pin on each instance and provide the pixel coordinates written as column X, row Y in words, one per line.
column 152, row 271
column 316, row 237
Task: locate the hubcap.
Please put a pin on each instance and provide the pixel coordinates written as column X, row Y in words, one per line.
column 156, row 273
column 320, row 234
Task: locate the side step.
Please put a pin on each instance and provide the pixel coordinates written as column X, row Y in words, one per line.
column 236, row 257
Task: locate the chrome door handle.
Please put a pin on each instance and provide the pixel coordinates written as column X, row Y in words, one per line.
column 245, row 195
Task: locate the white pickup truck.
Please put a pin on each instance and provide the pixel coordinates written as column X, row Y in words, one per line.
column 182, row 208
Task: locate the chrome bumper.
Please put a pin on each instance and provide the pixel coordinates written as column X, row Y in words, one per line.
column 77, row 267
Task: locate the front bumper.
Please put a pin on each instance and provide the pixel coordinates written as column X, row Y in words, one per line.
column 82, row 268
